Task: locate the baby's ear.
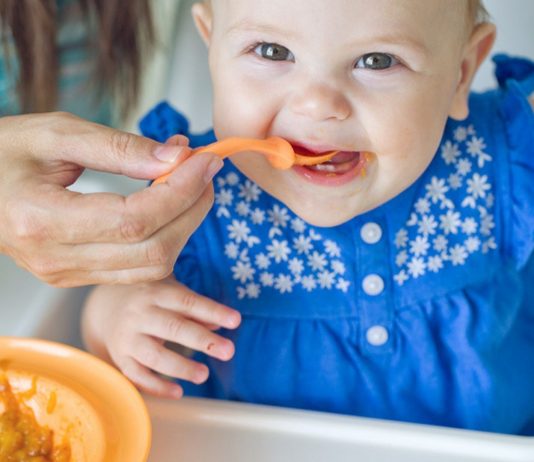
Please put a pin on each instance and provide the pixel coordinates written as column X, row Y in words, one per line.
column 475, row 52
column 202, row 15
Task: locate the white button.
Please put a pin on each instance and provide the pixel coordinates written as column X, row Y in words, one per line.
column 377, row 335
column 373, row 284
column 371, row 233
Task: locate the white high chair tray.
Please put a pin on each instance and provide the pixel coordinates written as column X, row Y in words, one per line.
column 201, row 430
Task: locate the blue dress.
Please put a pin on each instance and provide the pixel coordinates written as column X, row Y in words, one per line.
column 420, row 310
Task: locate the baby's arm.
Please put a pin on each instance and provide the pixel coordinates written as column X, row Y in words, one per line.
column 129, row 325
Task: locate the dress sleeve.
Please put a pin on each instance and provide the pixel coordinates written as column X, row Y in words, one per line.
column 162, row 122
column 516, row 79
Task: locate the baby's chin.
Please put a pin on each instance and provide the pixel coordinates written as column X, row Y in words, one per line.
column 317, row 209
column 322, row 215
column 314, row 206
column 324, row 220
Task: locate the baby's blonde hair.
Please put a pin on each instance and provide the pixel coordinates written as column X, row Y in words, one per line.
column 476, row 12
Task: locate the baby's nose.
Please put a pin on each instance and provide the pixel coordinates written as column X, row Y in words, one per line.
column 320, row 101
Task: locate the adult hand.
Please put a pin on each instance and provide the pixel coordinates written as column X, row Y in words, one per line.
column 70, row 239
column 129, row 325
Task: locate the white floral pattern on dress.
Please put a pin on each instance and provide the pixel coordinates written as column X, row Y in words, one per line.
column 440, row 231
column 307, row 261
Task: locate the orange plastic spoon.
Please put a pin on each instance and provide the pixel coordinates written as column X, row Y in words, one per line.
column 278, row 151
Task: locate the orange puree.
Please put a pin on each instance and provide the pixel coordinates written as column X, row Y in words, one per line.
column 22, row 439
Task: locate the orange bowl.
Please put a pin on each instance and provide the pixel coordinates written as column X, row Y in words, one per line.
column 95, row 408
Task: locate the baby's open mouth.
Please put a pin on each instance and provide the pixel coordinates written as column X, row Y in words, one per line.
column 342, row 162
column 331, row 162
column 283, row 155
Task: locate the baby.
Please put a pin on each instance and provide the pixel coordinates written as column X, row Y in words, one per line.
column 389, row 282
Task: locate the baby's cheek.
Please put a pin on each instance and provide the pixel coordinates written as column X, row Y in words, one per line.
column 241, row 110
column 401, row 158
column 416, row 138
column 233, row 118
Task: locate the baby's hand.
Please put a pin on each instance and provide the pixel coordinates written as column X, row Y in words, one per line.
column 133, row 323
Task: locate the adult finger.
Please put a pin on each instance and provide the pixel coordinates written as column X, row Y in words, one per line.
column 116, row 263
column 81, row 278
column 64, row 137
column 142, row 262
column 70, row 218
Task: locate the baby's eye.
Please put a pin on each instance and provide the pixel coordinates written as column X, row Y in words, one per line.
column 274, row 52
column 376, row 61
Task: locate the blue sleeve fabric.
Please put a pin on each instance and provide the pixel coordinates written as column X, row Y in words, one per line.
column 516, row 79
column 163, row 121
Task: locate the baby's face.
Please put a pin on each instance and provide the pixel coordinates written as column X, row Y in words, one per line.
column 358, row 76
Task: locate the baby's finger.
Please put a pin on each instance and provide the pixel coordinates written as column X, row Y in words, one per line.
column 209, row 326
column 148, row 381
column 152, row 354
column 177, row 297
column 164, row 324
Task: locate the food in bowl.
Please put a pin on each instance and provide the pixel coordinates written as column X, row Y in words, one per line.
column 22, row 439
column 86, row 404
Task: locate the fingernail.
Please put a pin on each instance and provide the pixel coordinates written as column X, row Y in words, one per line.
column 233, row 320
column 177, row 393
column 224, row 350
column 182, row 141
column 201, row 375
column 213, row 167
column 177, row 140
column 166, row 153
